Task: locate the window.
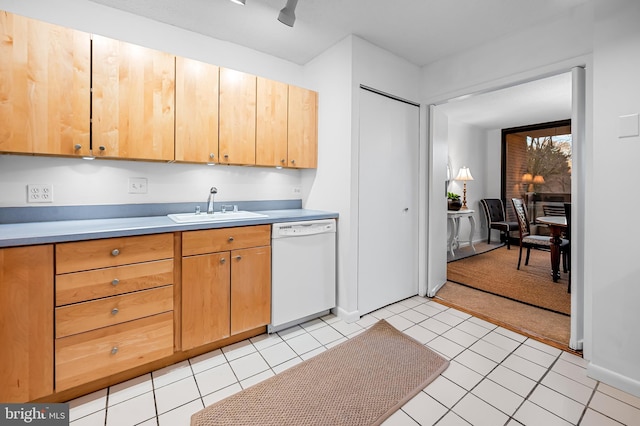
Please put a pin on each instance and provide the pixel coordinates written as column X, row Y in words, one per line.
column 536, row 166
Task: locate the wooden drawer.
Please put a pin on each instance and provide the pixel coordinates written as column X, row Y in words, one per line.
column 85, row 255
column 224, row 239
column 88, row 285
column 86, row 316
column 106, row 351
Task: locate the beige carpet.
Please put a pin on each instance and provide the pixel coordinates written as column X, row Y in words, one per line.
column 546, row 326
column 495, row 272
column 359, row 382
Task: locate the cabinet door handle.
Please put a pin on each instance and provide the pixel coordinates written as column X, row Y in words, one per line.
column 77, row 147
column 238, row 257
column 114, row 311
column 115, row 282
column 293, row 161
column 115, row 252
column 211, row 156
column 102, row 148
column 114, row 350
column 222, row 260
column 230, row 239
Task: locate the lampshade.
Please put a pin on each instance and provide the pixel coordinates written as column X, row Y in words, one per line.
column 287, row 14
column 464, row 174
column 527, row 178
column 538, row 179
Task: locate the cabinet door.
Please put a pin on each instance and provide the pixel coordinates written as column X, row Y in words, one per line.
column 250, row 288
column 237, row 117
column 26, row 323
column 205, row 299
column 271, row 123
column 303, row 128
column 196, row 111
column 133, row 101
column 44, row 87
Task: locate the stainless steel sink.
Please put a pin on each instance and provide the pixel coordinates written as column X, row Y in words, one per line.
column 215, row 217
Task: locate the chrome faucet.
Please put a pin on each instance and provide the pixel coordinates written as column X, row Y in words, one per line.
column 212, row 192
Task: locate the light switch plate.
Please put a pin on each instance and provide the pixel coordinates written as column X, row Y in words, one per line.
column 629, row 126
column 137, row 185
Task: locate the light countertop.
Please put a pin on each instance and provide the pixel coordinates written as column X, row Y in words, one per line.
column 22, row 234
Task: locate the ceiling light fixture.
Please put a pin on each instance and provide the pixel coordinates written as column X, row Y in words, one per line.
column 240, row 2
column 287, row 14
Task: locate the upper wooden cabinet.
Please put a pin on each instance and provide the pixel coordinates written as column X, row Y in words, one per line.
column 237, row 123
column 196, row 111
column 133, row 101
column 44, row 87
column 303, row 128
column 271, row 123
column 66, row 92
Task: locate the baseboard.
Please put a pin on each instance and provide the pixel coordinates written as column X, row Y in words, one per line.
column 614, row 379
column 432, row 292
column 352, row 316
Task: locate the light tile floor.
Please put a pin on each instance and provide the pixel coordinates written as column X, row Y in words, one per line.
column 496, row 376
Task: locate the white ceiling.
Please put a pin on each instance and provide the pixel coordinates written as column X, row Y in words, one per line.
column 420, row 31
column 539, row 101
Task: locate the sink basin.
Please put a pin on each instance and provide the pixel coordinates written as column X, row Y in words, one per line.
column 216, row 217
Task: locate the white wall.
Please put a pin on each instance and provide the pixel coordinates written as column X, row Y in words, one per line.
column 468, row 148
column 381, row 70
column 329, row 187
column 98, row 182
column 104, row 181
column 532, row 52
column 612, row 267
column 339, row 72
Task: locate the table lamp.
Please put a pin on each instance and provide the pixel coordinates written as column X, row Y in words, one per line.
column 464, row 175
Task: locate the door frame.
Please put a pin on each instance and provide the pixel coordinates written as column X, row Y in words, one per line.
column 437, row 240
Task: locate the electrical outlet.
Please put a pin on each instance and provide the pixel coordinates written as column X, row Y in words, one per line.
column 137, row 185
column 40, row 193
column 296, row 190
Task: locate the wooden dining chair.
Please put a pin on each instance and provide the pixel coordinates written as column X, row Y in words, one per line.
column 552, row 210
column 497, row 219
column 528, row 241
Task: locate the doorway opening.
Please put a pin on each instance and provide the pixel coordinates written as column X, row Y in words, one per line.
column 494, row 187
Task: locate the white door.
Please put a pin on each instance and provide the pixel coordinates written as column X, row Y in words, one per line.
column 387, row 201
column 437, row 193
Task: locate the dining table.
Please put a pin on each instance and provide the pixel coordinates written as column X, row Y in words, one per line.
column 557, row 225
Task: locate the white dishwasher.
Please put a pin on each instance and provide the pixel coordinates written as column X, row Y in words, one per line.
column 303, row 271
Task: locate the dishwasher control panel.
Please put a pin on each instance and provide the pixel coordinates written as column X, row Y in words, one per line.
column 294, row 229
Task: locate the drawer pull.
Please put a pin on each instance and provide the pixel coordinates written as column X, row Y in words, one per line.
column 115, row 252
column 230, row 239
column 114, row 311
column 114, row 350
column 115, row 282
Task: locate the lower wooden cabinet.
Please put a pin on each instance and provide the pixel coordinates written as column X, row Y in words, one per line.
column 114, row 306
column 88, row 356
column 205, row 299
column 26, row 323
column 225, row 292
column 250, row 288
column 75, row 315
